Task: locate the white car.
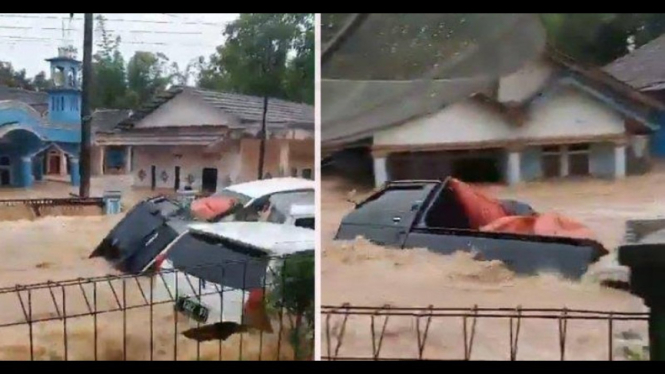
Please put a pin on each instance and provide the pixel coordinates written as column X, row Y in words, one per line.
column 214, row 270
column 258, row 196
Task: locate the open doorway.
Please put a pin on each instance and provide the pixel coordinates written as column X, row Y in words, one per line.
column 484, row 169
column 5, row 171
column 209, row 180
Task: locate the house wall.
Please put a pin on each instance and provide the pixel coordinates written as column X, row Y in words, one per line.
column 185, row 110
column 236, row 164
column 565, row 112
column 191, row 160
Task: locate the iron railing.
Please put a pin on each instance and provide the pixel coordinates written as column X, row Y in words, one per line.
column 396, row 333
column 129, row 317
column 35, row 208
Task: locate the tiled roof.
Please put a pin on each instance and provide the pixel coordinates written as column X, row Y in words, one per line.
column 105, row 120
column 244, row 107
column 643, row 67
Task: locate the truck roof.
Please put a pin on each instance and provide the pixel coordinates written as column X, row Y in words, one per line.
column 265, row 187
column 272, row 238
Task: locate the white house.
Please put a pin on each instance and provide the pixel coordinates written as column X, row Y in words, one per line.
column 208, row 140
column 552, row 118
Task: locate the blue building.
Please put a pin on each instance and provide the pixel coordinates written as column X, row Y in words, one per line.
column 34, row 142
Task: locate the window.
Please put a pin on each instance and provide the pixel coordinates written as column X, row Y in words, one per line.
column 4, row 161
column 62, row 103
column 380, row 208
column 307, row 223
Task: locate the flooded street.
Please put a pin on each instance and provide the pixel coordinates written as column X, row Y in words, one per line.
column 56, row 249
column 363, row 274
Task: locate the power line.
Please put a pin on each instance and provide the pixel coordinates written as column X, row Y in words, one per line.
column 49, row 40
column 25, row 16
column 113, row 31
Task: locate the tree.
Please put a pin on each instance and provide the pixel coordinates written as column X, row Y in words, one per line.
column 264, row 54
column 147, row 75
column 600, row 38
column 110, row 85
column 13, row 78
column 40, row 82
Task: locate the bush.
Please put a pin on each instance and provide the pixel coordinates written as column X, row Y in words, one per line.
column 294, row 294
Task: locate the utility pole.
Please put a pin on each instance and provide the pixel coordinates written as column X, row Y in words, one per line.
column 84, row 188
column 267, row 64
column 262, row 146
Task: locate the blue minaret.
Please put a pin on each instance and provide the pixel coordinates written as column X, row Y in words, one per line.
column 65, row 94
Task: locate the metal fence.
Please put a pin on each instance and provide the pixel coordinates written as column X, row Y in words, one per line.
column 394, row 333
column 128, row 317
column 11, row 209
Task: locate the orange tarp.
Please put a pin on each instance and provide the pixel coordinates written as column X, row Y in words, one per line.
column 211, row 207
column 480, row 208
column 487, row 214
column 548, row 224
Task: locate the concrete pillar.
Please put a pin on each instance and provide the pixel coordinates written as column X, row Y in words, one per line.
column 101, row 160
column 619, row 161
column 26, row 172
column 128, row 159
column 514, row 175
column 75, row 173
column 112, row 202
column 284, row 156
column 39, row 168
column 565, row 162
column 380, row 171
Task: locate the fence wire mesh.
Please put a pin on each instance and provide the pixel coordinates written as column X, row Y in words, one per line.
column 396, row 333
column 147, row 317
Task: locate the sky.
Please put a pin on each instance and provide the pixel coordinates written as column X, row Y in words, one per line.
column 27, row 39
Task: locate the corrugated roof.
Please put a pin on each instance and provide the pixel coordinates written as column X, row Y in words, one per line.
column 643, row 67
column 246, row 108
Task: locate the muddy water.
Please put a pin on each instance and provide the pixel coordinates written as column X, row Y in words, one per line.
column 363, row 274
column 56, row 249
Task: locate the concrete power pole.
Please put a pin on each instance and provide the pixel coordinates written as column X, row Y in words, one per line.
column 84, row 188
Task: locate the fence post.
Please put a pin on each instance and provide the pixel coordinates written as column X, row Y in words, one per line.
column 646, row 260
column 112, row 202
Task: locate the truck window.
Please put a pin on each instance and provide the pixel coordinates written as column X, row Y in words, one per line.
column 400, row 200
column 218, row 261
column 446, row 212
column 307, row 223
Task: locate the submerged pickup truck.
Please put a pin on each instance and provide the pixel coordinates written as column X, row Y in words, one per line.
column 427, row 214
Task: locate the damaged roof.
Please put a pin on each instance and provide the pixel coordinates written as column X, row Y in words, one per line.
column 642, row 68
column 345, row 121
column 246, row 108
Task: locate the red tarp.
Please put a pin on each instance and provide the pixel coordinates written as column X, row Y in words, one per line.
column 487, row 214
column 211, row 207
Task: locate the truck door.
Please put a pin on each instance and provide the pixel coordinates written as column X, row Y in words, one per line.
column 385, row 217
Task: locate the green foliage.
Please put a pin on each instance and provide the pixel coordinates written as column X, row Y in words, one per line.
column 293, row 293
column 264, row 54
column 18, row 78
column 600, row 38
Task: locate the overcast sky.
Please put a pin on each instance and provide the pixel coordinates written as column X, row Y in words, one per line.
column 27, row 39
